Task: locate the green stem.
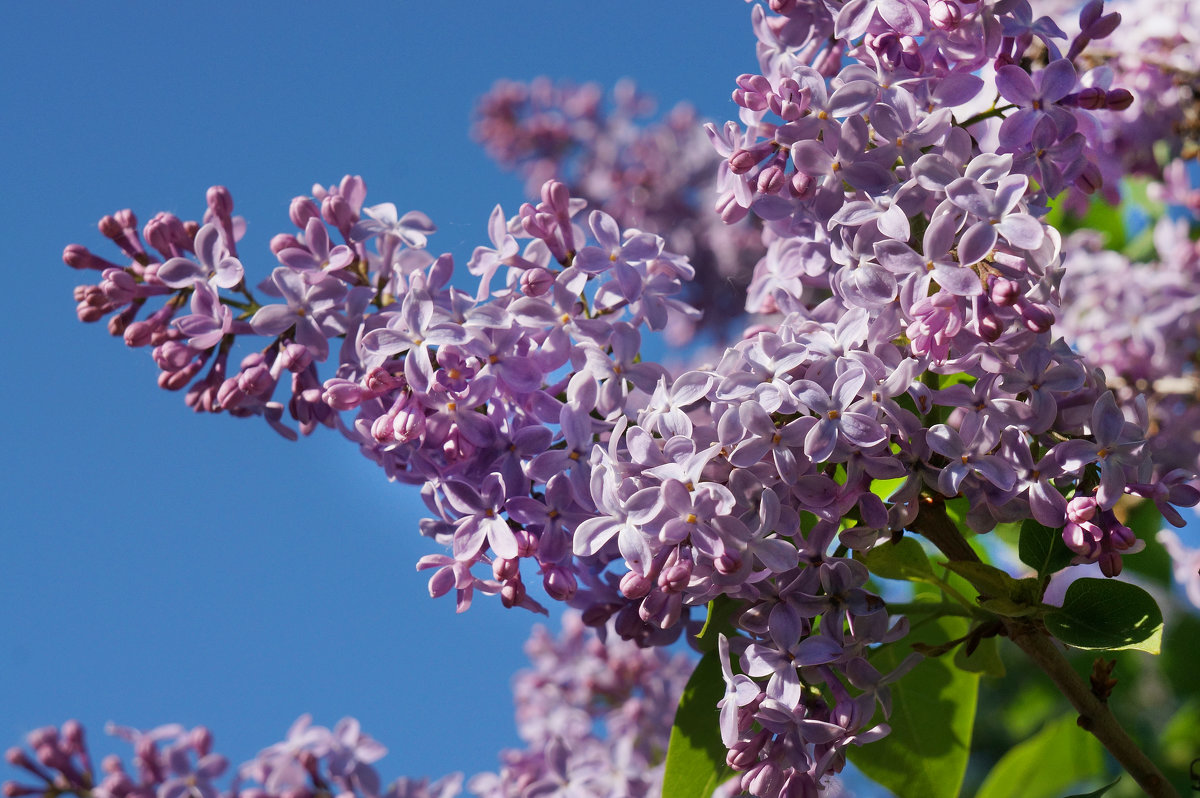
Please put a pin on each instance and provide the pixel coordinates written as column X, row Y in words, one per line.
column 1094, row 714
column 988, row 114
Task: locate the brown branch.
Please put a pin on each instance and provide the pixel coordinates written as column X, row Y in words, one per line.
column 1094, row 715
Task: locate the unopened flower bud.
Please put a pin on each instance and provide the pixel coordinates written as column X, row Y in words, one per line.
column 1089, row 180
column 802, row 185
column 512, row 594
column 536, row 281
column 771, row 179
column 301, row 210
column 560, row 584
column 220, row 201
column 1082, row 509
column 743, row 161
column 1005, row 293
column 1118, row 100
column 138, row 334
column 257, row 380
column 504, row 569
column 230, row 395
column 1038, row 318
column 283, row 241
column 729, row 209
column 1091, row 98
column 295, row 357
column 635, row 586
column 945, row 14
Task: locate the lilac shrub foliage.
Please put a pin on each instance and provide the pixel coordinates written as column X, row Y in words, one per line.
column 591, row 714
column 899, row 160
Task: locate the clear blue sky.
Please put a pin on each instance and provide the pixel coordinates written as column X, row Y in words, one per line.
column 161, row 566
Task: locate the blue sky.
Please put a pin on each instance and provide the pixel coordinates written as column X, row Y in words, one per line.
column 162, row 566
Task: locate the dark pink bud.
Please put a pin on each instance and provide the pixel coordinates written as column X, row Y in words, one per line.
column 504, row 569
column 111, row 764
column 744, row 753
column 256, row 380
column 1089, row 180
column 728, row 563
column 945, row 14
column 1005, row 293
column 559, row 583
column 13, row 790
column 1110, row 564
column 126, row 219
column 230, row 395
column 381, row 429
column 536, row 281
column 336, row 211
column 178, row 380
column 802, row 185
column 743, row 161
column 80, row 257
column 295, row 357
column 342, row 394
column 1090, row 13
column 283, row 241
column 674, row 578
column 380, row 379
column 635, row 586
column 1082, row 509
column 762, row 779
column 301, row 210
column 1091, row 98
column 1118, row 100
column 408, row 425
column 138, row 334
column 782, row 6
column 990, row 327
column 527, row 542
column 220, row 201
column 512, row 594
column 17, row 757
column 1038, row 318
column 729, row 209
column 110, row 227
column 556, row 195
column 771, row 179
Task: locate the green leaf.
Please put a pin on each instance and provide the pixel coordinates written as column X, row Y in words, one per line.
column 720, row 612
column 696, row 756
column 985, row 659
column 1099, row 792
column 933, row 714
column 987, row 579
column 884, row 488
column 1109, row 615
column 1060, row 755
column 1043, row 549
column 904, row 559
column 1106, row 219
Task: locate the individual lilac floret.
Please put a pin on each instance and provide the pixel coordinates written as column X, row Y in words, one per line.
column 215, row 264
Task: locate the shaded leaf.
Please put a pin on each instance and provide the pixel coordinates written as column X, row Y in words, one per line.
column 1042, row 548
column 1099, row 792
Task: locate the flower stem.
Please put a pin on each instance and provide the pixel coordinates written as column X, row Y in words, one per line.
column 1094, row 714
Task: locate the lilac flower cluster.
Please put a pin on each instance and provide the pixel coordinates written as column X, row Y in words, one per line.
column 1157, row 58
column 900, row 156
column 655, row 175
column 1139, row 321
column 595, row 716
